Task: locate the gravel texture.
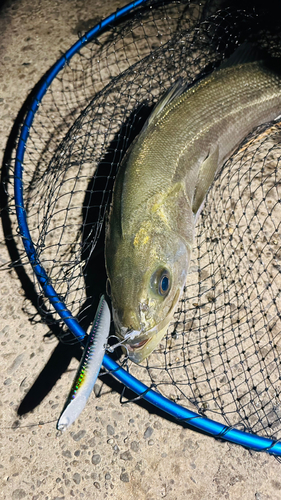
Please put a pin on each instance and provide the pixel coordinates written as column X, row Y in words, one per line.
column 112, row 451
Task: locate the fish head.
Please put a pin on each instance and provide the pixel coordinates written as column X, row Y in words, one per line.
column 146, row 280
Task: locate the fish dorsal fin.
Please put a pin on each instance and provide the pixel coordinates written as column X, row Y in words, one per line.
column 245, row 53
column 249, row 53
column 172, row 93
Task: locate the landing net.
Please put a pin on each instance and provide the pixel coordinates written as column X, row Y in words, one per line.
column 220, row 356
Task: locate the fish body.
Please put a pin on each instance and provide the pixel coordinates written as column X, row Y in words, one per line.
column 88, row 369
column 160, row 188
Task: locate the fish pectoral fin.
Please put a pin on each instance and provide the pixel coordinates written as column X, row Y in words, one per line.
column 205, row 178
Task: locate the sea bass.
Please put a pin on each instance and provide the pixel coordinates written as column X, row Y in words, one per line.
column 161, row 185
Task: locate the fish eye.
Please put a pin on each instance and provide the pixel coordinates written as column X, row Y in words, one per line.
column 164, row 285
column 161, row 282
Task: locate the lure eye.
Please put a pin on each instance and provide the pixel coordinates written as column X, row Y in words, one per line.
column 161, row 282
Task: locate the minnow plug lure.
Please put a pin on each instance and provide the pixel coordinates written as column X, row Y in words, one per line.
column 89, row 367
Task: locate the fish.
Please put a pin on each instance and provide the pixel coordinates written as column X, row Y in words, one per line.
column 89, row 367
column 161, row 185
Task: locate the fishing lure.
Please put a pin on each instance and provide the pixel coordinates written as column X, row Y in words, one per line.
column 89, row 367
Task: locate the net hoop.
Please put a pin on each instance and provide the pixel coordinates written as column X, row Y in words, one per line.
column 183, row 415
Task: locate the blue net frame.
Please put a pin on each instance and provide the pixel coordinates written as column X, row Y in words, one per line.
column 194, row 420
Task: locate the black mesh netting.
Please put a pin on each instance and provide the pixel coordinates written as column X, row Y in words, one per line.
column 221, row 353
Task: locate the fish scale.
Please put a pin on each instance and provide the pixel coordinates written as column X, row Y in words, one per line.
column 205, row 111
column 162, row 183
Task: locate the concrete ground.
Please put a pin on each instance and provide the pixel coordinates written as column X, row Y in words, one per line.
column 112, row 451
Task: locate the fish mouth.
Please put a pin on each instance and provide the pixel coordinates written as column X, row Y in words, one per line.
column 136, row 339
column 138, row 350
column 137, row 345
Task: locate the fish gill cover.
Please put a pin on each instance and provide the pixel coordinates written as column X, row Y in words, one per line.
column 221, row 354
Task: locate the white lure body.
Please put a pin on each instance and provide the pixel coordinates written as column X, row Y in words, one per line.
column 89, row 367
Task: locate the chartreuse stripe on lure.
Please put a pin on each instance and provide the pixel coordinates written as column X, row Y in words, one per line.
column 89, row 367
